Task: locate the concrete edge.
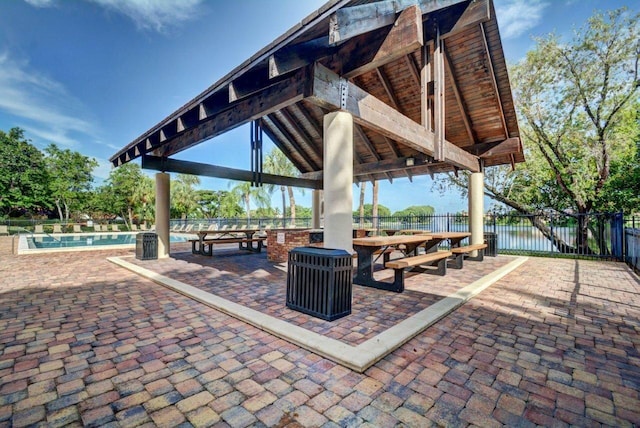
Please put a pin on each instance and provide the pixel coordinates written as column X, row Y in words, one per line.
column 358, row 358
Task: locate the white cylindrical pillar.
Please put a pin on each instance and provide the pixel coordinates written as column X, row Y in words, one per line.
column 163, row 214
column 315, row 209
column 338, row 181
column 476, row 209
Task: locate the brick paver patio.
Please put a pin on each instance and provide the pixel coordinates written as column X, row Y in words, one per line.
column 84, row 342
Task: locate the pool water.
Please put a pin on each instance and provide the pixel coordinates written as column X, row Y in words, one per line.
column 86, row 240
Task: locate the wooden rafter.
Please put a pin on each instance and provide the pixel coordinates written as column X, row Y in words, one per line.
column 367, row 142
column 298, row 128
column 272, row 120
column 492, row 73
column 284, row 146
column 388, row 89
column 413, row 69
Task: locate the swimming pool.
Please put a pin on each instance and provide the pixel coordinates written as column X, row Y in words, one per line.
column 82, row 242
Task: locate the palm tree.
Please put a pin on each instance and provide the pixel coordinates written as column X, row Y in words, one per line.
column 245, row 192
column 278, row 164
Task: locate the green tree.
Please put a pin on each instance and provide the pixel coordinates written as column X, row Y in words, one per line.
column 184, row 199
column 23, row 175
column 70, row 178
column 368, row 211
column 575, row 101
column 122, row 186
column 415, row 211
column 245, row 192
column 278, row 164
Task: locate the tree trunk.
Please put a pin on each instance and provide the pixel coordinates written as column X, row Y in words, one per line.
column 66, row 212
column 247, row 202
column 292, row 203
column 284, row 203
column 59, row 207
column 374, row 208
column 363, row 187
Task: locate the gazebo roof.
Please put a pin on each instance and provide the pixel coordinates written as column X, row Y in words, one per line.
column 368, row 58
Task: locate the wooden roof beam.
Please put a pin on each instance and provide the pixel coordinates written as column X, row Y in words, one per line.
column 304, row 135
column 222, row 118
column 380, row 167
column 282, row 145
column 382, row 47
column 350, row 22
column 201, row 169
column 386, row 84
column 477, row 12
column 372, row 113
column 494, row 82
column 293, row 57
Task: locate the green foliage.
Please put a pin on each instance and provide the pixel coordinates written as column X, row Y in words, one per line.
column 218, row 203
column 244, row 192
column 278, row 163
column 184, row 198
column 301, row 212
column 368, row 211
column 70, row 178
column 416, row 211
column 23, row 175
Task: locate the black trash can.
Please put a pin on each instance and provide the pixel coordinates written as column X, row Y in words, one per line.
column 146, row 246
column 491, row 239
column 319, row 282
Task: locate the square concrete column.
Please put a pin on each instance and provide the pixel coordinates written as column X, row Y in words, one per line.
column 338, row 179
column 476, row 209
column 163, row 215
column 316, row 204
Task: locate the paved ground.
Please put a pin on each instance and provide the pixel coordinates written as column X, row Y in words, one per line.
column 84, row 342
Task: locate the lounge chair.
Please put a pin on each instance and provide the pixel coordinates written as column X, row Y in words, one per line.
column 212, row 227
column 4, row 230
column 143, row 226
column 77, row 228
column 134, row 227
column 38, row 228
column 115, row 228
column 97, row 228
column 57, row 228
column 189, row 228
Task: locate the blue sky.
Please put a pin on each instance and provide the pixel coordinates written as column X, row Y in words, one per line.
column 92, row 75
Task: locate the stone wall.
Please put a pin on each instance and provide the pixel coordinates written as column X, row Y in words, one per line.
column 279, row 252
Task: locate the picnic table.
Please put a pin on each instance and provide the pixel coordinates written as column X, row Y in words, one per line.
column 198, row 246
column 454, row 239
column 366, row 247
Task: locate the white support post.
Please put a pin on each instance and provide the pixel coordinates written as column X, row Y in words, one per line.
column 163, row 195
column 316, row 203
column 338, row 181
column 476, row 209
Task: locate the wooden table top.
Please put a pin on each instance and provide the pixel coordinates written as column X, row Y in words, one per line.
column 449, row 235
column 226, row 231
column 381, row 241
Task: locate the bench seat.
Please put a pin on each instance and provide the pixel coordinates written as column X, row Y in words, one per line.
column 461, row 253
column 243, row 244
column 437, row 257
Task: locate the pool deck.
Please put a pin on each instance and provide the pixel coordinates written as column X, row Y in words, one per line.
column 86, row 342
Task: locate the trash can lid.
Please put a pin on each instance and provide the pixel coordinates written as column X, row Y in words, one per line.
column 320, row 251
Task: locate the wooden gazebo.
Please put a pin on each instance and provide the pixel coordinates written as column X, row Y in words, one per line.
column 425, row 82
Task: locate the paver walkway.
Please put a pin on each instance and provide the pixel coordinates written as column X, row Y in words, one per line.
column 84, row 342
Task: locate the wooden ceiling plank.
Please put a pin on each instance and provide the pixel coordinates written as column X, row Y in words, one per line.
column 273, row 98
column 492, row 73
column 350, row 22
column 459, row 99
column 508, row 146
column 202, row 169
column 413, row 69
column 394, row 149
column 374, row 114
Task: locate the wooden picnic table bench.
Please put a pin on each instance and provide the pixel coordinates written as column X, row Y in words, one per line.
column 461, row 253
column 438, row 257
column 204, row 246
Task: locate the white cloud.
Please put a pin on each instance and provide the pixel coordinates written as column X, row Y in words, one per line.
column 40, row 3
column 519, row 16
column 43, row 105
column 146, row 14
